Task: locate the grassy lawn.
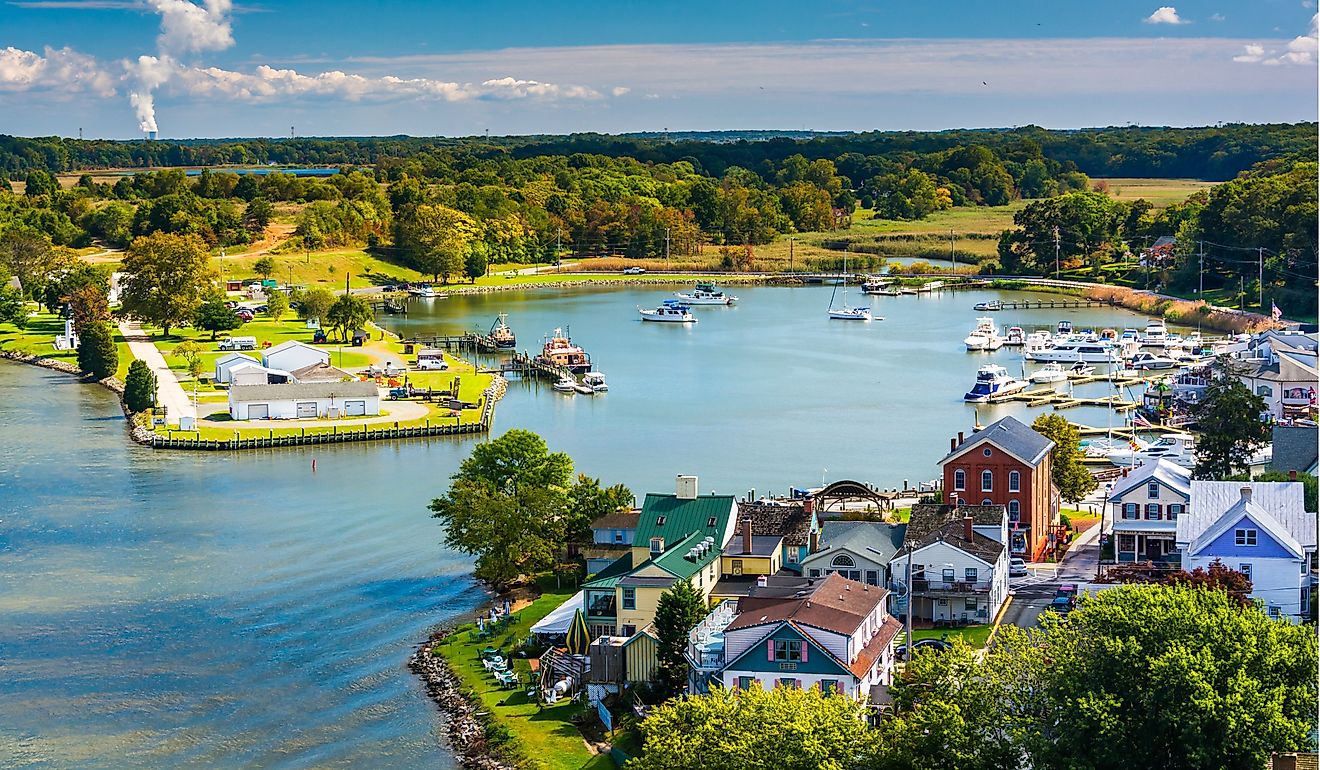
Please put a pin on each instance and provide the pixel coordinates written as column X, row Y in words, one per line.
column 974, row 636
column 38, row 338
column 265, row 330
column 1160, row 192
column 543, row 736
column 319, row 268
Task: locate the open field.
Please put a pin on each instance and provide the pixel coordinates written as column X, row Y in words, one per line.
column 1160, row 192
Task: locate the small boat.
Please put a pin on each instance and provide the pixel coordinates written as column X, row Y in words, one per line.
column 984, row 337
column 559, row 350
column 888, row 292
column 1147, row 361
column 595, row 381
column 1051, row 372
column 1081, row 369
column 565, row 385
column 1129, row 336
column 1178, row 448
column 501, row 334
column 393, row 306
column 705, row 293
column 908, row 290
column 992, row 382
column 668, row 311
column 874, row 285
column 1063, row 329
column 992, row 305
column 427, row 291
column 583, row 389
column 1015, row 336
column 846, row 313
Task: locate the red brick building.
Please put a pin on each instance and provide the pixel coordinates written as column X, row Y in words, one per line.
column 1006, row 464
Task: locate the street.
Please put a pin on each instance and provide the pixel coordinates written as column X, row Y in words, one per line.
column 1032, row 594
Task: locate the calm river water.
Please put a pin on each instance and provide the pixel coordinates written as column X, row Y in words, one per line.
column 206, row 610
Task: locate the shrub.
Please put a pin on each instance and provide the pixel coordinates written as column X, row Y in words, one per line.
column 139, row 387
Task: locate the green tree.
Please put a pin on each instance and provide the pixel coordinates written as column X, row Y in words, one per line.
column 1067, row 471
column 139, row 387
column 12, row 307
column 589, row 501
column 780, row 729
column 191, row 353
column 26, row 254
column 436, row 239
column 258, row 214
column 98, row 357
column 264, row 266
column 1229, row 416
column 214, row 317
column 166, row 277
column 277, row 305
column 677, row 611
column 315, row 303
column 475, row 264
column 348, row 314
column 507, row 505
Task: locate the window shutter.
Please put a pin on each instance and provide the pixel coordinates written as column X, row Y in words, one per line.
column 769, row 649
column 797, row 683
column 804, row 651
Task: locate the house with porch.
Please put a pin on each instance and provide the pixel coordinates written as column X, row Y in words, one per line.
column 1008, row 464
column 1281, row 367
column 857, row 550
column 612, row 536
column 959, row 563
column 1145, row 505
column 836, row 635
column 1259, row 528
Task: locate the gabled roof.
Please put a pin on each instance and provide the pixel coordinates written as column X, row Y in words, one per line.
column 354, row 389
column 930, row 523
column 290, row 345
column 792, row 522
column 1011, row 435
column 1170, row 474
column 683, row 517
column 1289, row 366
column 320, row 371
column 617, row 520
column 877, row 540
column 1277, row 507
column 675, row 559
column 1295, row 448
column 834, row 604
column 610, row 576
column 229, row 357
column 758, row 647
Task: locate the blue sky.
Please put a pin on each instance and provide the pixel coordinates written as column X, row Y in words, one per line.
column 337, row 67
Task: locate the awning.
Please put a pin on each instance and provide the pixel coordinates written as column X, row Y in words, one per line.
column 557, row 621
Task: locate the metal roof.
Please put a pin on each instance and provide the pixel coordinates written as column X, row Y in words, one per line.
column 1277, row 506
column 1011, row 435
column 311, row 390
column 683, row 517
column 876, row 540
column 1169, row 474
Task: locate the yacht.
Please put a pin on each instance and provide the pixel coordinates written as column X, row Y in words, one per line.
column 565, row 385
column 984, row 337
column 1072, row 352
column 1051, row 372
column 1128, row 336
column 1144, row 361
column 502, row 335
column 669, row 311
column 992, row 382
column 1015, row 336
column 595, row 381
column 1156, row 334
column 559, row 350
column 427, row 291
column 874, row 285
column 1177, row 448
column 705, row 293
column 846, row 313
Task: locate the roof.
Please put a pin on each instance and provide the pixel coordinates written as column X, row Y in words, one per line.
column 683, row 517
column 930, row 523
column 617, row 520
column 784, row 583
column 320, row 372
column 1277, row 507
column 762, row 545
column 610, row 576
column 877, row 540
column 834, row 604
column 1295, row 448
column 609, row 551
column 1289, row 366
column 675, row 559
column 1011, row 435
column 292, row 344
column 1278, row 340
column 312, row 390
column 792, row 522
column 559, row 618
column 868, row 655
column 1169, row 474
column 231, row 357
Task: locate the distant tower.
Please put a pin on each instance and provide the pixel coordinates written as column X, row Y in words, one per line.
column 151, row 136
column 292, row 134
column 80, row 133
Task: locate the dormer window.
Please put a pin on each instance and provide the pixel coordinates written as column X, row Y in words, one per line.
column 659, row 521
column 1244, row 537
column 710, row 522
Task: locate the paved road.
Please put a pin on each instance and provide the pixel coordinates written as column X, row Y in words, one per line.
column 169, row 393
column 1032, row 594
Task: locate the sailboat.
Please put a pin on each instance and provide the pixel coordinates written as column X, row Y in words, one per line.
column 845, row 313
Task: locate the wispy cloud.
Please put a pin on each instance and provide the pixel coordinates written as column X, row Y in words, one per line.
column 1303, row 49
column 1217, row 17
column 1165, row 14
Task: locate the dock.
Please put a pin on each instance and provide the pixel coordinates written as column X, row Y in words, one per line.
column 524, row 365
column 1048, row 304
column 473, row 341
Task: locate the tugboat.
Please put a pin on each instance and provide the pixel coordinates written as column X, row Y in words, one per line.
column 502, row 335
column 992, row 382
column 669, row 311
column 559, row 350
column 705, row 294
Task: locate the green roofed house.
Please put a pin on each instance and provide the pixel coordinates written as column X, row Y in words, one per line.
column 679, row 536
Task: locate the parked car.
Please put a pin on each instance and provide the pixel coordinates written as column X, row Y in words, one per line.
column 245, row 313
column 1017, row 567
column 935, row 645
column 634, row 270
column 1061, row 604
column 1067, row 591
column 262, row 308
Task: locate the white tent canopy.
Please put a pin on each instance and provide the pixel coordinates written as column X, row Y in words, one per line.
column 559, row 618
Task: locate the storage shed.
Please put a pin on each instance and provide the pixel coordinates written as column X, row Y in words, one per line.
column 224, row 365
column 292, row 355
column 304, row 401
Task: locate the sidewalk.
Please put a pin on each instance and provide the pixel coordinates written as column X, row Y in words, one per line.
column 169, row 393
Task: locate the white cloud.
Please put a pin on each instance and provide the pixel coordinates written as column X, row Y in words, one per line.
column 1165, row 14
column 189, row 28
column 619, row 90
column 61, row 70
column 1217, row 17
column 1303, row 49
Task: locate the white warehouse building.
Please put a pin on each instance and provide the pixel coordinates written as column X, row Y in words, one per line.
column 304, row 401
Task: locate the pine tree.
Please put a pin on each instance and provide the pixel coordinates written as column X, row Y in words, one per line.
column 140, row 387
column 97, row 355
column 676, row 612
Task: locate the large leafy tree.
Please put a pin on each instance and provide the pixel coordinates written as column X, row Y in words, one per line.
column 315, row 303
column 348, row 314
column 166, row 277
column 26, row 253
column 588, row 501
column 676, row 612
column 139, row 387
column 1229, row 416
column 507, row 505
column 1067, row 471
column 780, row 729
column 98, row 357
column 436, row 239
column 214, row 317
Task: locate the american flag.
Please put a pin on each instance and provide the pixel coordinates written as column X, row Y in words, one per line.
column 1141, row 422
column 1275, row 312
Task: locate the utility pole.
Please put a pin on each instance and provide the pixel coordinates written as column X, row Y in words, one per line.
column 559, row 235
column 666, row 245
column 907, row 616
column 1260, row 277
column 953, row 263
column 1056, row 252
column 1200, row 270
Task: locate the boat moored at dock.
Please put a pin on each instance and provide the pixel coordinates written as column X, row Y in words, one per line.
column 984, row 337
column 560, row 351
column 705, row 293
column 501, row 334
column 427, row 291
column 1051, row 372
column 595, row 381
column 993, row 381
column 1072, row 352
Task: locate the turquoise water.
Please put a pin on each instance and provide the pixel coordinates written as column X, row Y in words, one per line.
column 216, row 610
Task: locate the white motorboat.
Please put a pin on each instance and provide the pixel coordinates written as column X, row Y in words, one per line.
column 846, row 313
column 668, row 312
column 565, row 385
column 1072, row 352
column 1051, row 372
column 1081, row 369
column 992, row 382
column 427, row 291
column 705, row 293
column 993, row 305
column 595, row 381
column 1015, row 336
column 583, row 389
column 874, row 285
column 1156, row 334
column 984, row 337
column 1177, row 448
column 1145, row 361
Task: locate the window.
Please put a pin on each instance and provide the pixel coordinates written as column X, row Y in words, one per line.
column 1153, row 490
column 969, row 574
column 1274, row 611
column 1127, row 542
column 829, row 686
column 1175, row 510
column 987, row 501
column 788, row 684
column 629, row 598
column 813, row 573
column 1014, row 481
column 627, row 631
column 1264, row 390
column 986, row 452
column 947, row 574
column 970, row 605
column 987, row 481
column 710, row 522
column 1130, row 511
column 618, row 536
column 660, row 521
column 746, row 682
column 1244, row 536
column 872, row 577
column 1245, row 569
column 788, row 649
column 793, row 555
column 959, row 480
column 1152, row 511
column 943, row 602
column 1014, row 510
column 843, row 560
column 657, row 545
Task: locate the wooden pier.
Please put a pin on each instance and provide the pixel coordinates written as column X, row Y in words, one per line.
column 473, row 341
column 525, row 366
column 1048, row 304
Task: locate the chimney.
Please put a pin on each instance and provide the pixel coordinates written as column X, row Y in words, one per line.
column 960, row 437
column 967, row 528
column 953, row 498
column 747, row 536
column 814, row 542
column 762, row 581
column 953, row 444
column 1292, row 475
column 1246, row 494
column 686, row 488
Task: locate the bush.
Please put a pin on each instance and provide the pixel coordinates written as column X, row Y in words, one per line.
column 139, row 387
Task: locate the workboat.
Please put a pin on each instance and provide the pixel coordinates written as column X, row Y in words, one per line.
column 501, row 334
column 846, row 313
column 1177, row 448
column 1015, row 336
column 668, row 311
column 1051, row 372
column 984, row 337
column 565, row 385
column 1156, row 334
column 705, row 293
column 427, row 291
column 874, row 285
column 559, row 350
column 992, row 305
column 992, row 382
column 595, row 381
column 1145, row 361
column 1072, row 352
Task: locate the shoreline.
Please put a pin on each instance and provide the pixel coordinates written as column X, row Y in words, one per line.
column 462, row 729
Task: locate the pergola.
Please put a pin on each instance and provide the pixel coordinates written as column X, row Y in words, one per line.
column 840, row 493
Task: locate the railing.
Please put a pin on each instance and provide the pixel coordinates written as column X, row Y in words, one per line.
column 956, row 586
